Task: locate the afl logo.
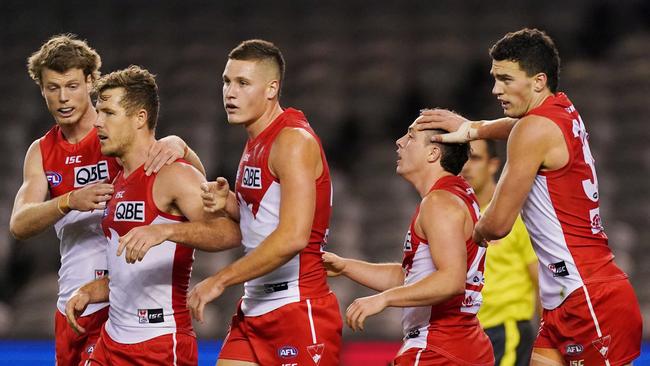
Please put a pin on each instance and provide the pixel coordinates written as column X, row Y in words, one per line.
column 53, row 178
column 287, row 352
column 574, row 349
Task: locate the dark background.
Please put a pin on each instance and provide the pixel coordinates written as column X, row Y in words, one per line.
column 360, row 70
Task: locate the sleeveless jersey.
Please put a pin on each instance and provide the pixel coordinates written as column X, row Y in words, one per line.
column 83, row 247
column 147, row 298
column 258, row 194
column 562, row 213
column 424, row 325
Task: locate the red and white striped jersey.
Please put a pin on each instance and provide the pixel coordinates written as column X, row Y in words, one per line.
column 258, row 194
column 83, row 247
column 562, row 213
column 147, row 298
column 424, row 326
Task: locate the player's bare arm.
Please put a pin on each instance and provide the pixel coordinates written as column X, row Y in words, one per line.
column 176, row 190
column 91, row 293
column 296, row 161
column 535, row 143
column 166, row 151
column 32, row 213
column 444, row 221
column 376, row 276
column 461, row 129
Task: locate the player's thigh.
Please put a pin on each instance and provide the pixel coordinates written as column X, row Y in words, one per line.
column 221, row 362
column 546, row 357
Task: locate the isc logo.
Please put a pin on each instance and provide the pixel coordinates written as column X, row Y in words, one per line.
column 90, row 173
column 129, row 211
column 75, row 159
column 252, row 178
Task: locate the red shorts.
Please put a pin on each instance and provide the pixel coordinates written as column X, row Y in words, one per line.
column 72, row 348
column 176, row 349
column 421, row 357
column 603, row 323
column 301, row 333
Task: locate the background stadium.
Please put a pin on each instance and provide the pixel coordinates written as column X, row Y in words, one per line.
column 360, row 70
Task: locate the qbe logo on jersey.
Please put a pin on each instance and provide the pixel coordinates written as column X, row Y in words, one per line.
column 129, row 211
column 87, row 174
column 252, row 178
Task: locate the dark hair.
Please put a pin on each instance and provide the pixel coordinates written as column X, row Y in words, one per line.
column 454, row 156
column 535, row 52
column 140, row 91
column 259, row 50
column 61, row 53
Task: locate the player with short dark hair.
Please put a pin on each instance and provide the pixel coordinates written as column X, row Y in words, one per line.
column 288, row 315
column 591, row 313
column 439, row 282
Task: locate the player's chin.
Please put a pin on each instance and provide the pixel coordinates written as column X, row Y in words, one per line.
column 234, row 119
column 107, row 150
column 509, row 112
column 66, row 121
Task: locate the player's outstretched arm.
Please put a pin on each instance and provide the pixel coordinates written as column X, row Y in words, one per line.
column 93, row 292
column 377, row 276
column 442, row 220
column 535, row 142
column 177, row 190
column 32, row 213
column 296, row 161
column 461, row 129
column 166, row 151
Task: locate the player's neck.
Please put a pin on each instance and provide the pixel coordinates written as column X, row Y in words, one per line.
column 484, row 195
column 427, row 179
column 136, row 154
column 259, row 125
column 538, row 99
column 74, row 133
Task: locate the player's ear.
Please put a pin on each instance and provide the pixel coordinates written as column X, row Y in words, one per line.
column 434, row 152
column 539, row 82
column 272, row 89
column 141, row 117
